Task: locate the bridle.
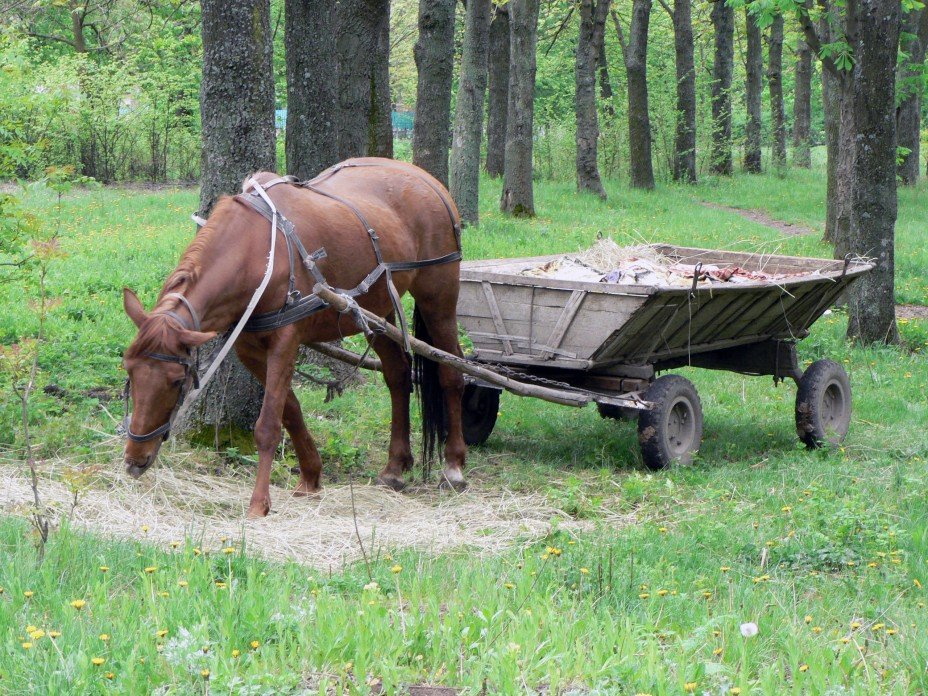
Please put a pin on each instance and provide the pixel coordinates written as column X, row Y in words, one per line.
column 191, row 375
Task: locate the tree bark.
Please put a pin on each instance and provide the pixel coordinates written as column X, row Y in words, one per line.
column 684, row 161
column 635, row 52
column 775, row 82
column 468, row 117
column 518, row 195
column 589, row 44
column 498, row 96
column 605, row 82
column 723, row 22
column 754, row 93
column 312, row 90
column 434, row 55
column 831, row 106
column 238, row 136
column 363, row 49
column 871, row 305
column 911, row 86
column 802, row 106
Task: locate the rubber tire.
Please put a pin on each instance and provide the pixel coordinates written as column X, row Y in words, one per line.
column 673, row 397
column 823, row 404
column 479, row 408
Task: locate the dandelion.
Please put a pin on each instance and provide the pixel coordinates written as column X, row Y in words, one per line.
column 816, row 630
column 255, row 645
column 509, row 586
column 228, row 550
column 27, row 646
column 28, row 594
column 845, row 640
column 725, row 569
column 151, row 569
column 717, row 652
column 145, row 529
column 872, row 564
column 162, row 633
column 163, row 594
column 1, row 590
column 78, row 604
column 689, row 687
column 662, row 530
column 97, row 661
column 236, row 652
column 707, row 594
column 808, row 618
column 204, row 673
column 104, row 637
column 585, row 571
column 803, row 667
column 220, row 584
column 544, row 557
column 855, row 625
column 735, row 691
column 877, row 627
column 196, row 551
column 396, row 569
column 182, row 583
column 54, row 634
column 749, row 629
column 643, row 595
column 891, row 631
column 662, row 593
column 110, row 676
column 104, row 569
column 175, row 544
column 30, row 628
column 786, row 508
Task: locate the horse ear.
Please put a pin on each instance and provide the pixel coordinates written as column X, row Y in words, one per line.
column 133, row 307
column 192, row 339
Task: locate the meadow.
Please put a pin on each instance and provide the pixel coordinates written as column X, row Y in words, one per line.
column 645, row 583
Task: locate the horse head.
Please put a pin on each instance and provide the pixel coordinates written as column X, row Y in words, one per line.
column 161, row 369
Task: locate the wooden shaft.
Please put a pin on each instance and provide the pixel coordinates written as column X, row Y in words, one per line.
column 350, row 357
column 558, row 396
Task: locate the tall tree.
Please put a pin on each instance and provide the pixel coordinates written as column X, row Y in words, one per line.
column 635, row 52
column 434, row 55
column 871, row 305
column 363, row 48
column 589, row 45
column 498, row 94
column 468, row 117
column 775, row 83
column 518, row 195
column 684, row 150
column 238, row 139
column 754, row 92
column 723, row 23
column 312, row 93
column 911, row 85
column 802, row 106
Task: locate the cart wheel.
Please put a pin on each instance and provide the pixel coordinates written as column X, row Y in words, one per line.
column 672, row 431
column 479, row 408
column 823, row 404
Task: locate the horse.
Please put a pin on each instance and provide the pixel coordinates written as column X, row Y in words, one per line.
column 413, row 238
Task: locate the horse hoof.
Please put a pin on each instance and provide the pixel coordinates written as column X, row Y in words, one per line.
column 393, row 482
column 258, row 510
column 452, row 481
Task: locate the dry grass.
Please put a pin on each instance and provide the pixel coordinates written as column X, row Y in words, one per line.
column 175, row 501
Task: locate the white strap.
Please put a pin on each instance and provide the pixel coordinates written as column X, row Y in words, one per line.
column 255, row 298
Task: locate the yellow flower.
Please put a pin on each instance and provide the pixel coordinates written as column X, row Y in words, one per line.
column 196, row 551
column 662, row 593
column 220, row 584
column 643, row 595
column 707, row 594
column 725, row 569
column 204, row 673
column 145, row 528
column 585, row 571
column 27, row 646
column 662, row 530
column 872, row 564
column 28, row 593
column 544, row 557
column 255, row 645
column 877, row 627
column 54, row 634
column 735, row 691
column 97, row 661
column 808, row 619
column 803, row 667
column 786, row 508
column 30, row 628
column 104, row 569
column 175, row 544
column 182, row 583
column 845, row 640
column 816, row 630
column 855, row 625
column 110, row 675
column 396, row 569
column 104, row 637
column 509, row 586
column 689, row 687
column 228, row 550
column 163, row 594
column 151, row 569
column 717, row 651
column 891, row 631
column 915, row 580
column 236, row 652
column 78, row 604
column 162, row 633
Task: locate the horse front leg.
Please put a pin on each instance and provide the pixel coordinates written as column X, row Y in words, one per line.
column 306, row 452
column 279, row 363
column 397, row 373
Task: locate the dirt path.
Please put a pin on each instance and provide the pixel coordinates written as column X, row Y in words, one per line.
column 761, row 218
column 911, row 311
column 174, row 502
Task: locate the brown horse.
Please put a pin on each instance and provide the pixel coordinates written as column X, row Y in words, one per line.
column 412, row 216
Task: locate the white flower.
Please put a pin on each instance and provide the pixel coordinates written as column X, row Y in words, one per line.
column 372, row 586
column 749, row 629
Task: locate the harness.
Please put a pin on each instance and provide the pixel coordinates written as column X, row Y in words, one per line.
column 296, row 306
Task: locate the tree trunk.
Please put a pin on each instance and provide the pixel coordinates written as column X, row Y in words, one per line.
column 871, row 305
column 518, row 196
column 363, row 48
column 589, row 44
column 238, row 136
column 468, row 117
column 684, row 160
column 754, row 93
column 723, row 22
column 911, row 86
column 639, row 121
column 498, row 99
column 434, row 54
column 605, row 82
column 775, row 82
column 831, row 107
column 845, row 175
column 802, row 106
column 312, row 94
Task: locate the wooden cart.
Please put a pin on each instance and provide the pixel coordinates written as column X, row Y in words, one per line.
column 609, row 341
column 575, row 343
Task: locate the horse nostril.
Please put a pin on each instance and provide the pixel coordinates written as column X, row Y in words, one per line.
column 136, row 468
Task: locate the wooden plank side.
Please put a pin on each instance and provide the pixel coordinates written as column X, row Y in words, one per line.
column 563, row 321
column 497, row 318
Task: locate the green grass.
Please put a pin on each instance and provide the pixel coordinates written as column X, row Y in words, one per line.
column 798, row 531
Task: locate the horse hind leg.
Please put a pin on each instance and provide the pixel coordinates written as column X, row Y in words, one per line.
column 306, row 452
column 436, row 324
column 397, row 373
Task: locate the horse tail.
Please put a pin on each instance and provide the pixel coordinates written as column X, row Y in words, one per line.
column 430, row 395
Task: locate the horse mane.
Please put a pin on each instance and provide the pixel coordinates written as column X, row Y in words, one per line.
column 159, row 332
